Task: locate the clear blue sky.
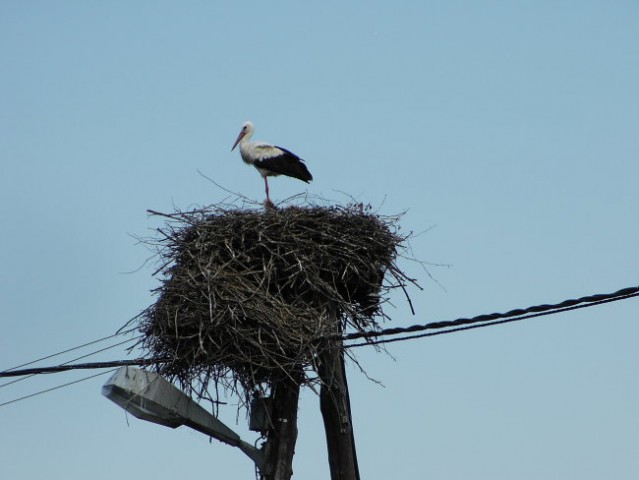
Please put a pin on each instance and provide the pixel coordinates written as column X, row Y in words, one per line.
column 511, row 128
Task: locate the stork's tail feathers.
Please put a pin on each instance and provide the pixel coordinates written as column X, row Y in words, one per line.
column 302, row 173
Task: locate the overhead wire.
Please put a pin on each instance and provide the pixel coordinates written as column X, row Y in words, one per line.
column 83, row 366
column 65, row 351
column 47, row 390
column 371, row 338
column 492, row 318
column 36, row 371
column 480, row 325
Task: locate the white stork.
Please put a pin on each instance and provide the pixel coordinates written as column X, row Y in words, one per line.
column 269, row 160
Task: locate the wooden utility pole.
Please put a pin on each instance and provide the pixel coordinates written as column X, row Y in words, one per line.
column 336, row 411
column 283, row 435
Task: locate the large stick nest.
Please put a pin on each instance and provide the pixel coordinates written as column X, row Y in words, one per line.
column 249, row 296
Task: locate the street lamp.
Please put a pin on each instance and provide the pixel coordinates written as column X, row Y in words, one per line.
column 148, row 396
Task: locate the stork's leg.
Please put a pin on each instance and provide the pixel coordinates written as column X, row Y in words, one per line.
column 268, row 199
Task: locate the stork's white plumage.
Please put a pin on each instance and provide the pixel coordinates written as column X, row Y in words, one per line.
column 270, row 160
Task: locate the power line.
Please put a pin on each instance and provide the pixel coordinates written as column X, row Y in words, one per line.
column 64, row 351
column 450, row 326
column 493, row 318
column 36, row 372
column 82, row 366
column 479, row 325
column 445, row 327
column 56, row 388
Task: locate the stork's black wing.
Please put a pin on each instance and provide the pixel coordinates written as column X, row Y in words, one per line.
column 286, row 163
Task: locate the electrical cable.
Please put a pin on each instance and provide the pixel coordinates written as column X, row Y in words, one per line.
column 530, row 312
column 83, row 366
column 445, row 327
column 64, row 351
column 55, row 388
column 65, row 363
column 482, row 325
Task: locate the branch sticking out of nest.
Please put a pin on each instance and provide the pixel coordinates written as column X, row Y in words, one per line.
column 247, row 295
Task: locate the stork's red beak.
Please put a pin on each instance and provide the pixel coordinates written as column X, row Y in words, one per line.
column 239, row 137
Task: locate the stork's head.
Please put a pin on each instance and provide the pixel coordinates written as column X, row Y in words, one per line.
column 247, row 131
